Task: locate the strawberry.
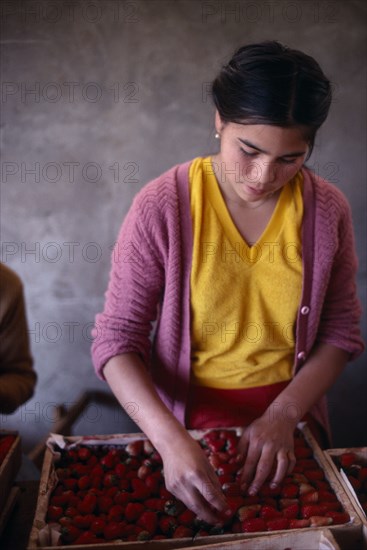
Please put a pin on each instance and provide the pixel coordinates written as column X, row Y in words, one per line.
column 299, row 523
column 313, row 510
column 97, row 526
column 316, row 474
column 182, row 532
column 254, row 525
column 133, row 510
column 327, row 496
column 139, row 489
column 291, row 512
column 362, row 475
column 268, row 512
column 83, row 522
column 333, row 506
column 338, row 517
column 167, row 524
column 347, row 459
column 266, row 490
column 152, row 483
column 285, row 502
column 135, row 448
column 355, row 483
column 299, row 478
column 305, row 488
column 149, row 521
column 248, row 512
column 155, row 504
column 289, row 491
column 54, row 513
column 115, row 513
column 309, row 498
column 84, row 453
column 69, row 533
column 320, row 521
column 88, row 504
column 277, row 524
column 104, row 503
column 87, row 537
column 113, row 530
column 186, row 518
column 234, row 503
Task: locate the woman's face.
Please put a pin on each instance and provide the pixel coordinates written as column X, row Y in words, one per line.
column 257, row 160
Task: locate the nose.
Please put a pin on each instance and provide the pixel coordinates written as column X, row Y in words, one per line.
column 261, row 173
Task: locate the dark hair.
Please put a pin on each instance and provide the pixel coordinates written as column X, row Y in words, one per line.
column 269, row 83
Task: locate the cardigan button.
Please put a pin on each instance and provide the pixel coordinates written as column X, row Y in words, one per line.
column 305, row 310
column 301, row 356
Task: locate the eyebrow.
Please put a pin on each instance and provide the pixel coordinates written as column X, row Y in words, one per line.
column 249, row 144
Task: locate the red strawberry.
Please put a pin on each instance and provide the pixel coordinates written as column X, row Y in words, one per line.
column 84, row 453
column 167, row 524
column 338, row 517
column 182, row 532
column 149, row 521
column 285, row 502
column 69, row 533
column 315, row 474
column 291, row 512
column 355, row 483
column 234, row 503
column 333, row 506
column 83, row 522
column 266, row 490
column 135, row 448
column 268, row 512
column 88, row 504
column 306, row 488
column 97, row 526
column 139, row 489
column 326, row 496
column 133, row 510
column 320, row 521
column 115, row 513
column 254, row 525
column 277, row 524
column 248, row 512
column 54, row 513
column 186, row 518
column 87, row 537
column 155, row 504
column 362, row 475
column 113, row 530
column 152, row 483
column 299, row 523
column 313, row 510
column 289, row 491
column 309, row 498
column 105, row 503
column 347, row 459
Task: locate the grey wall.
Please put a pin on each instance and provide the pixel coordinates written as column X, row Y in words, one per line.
column 119, row 95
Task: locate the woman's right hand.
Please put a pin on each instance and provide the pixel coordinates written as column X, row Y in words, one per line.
column 190, row 477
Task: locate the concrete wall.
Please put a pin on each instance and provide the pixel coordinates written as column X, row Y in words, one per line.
column 98, row 98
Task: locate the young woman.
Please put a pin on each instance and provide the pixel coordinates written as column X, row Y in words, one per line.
column 246, row 262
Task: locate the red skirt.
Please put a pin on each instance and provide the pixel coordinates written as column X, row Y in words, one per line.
column 214, row 408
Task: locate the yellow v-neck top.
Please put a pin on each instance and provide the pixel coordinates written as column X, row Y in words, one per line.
column 244, row 299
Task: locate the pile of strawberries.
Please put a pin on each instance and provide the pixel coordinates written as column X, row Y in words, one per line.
column 6, row 441
column 356, row 470
column 109, row 493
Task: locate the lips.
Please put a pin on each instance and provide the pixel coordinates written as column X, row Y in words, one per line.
column 255, row 191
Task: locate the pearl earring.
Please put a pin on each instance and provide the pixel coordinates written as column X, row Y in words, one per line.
column 217, row 135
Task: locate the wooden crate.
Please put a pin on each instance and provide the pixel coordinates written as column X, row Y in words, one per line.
column 348, row 535
column 317, row 540
column 360, row 452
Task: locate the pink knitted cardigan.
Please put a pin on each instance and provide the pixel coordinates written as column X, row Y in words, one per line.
column 150, row 281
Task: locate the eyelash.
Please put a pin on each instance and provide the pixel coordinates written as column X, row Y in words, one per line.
column 284, row 161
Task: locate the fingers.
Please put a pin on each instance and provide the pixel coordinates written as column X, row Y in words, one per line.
column 257, row 468
column 259, row 465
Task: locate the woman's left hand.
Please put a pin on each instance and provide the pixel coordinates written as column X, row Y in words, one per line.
column 266, row 443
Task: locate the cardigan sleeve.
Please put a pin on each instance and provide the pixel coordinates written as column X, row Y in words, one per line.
column 134, row 290
column 341, row 313
column 17, row 376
